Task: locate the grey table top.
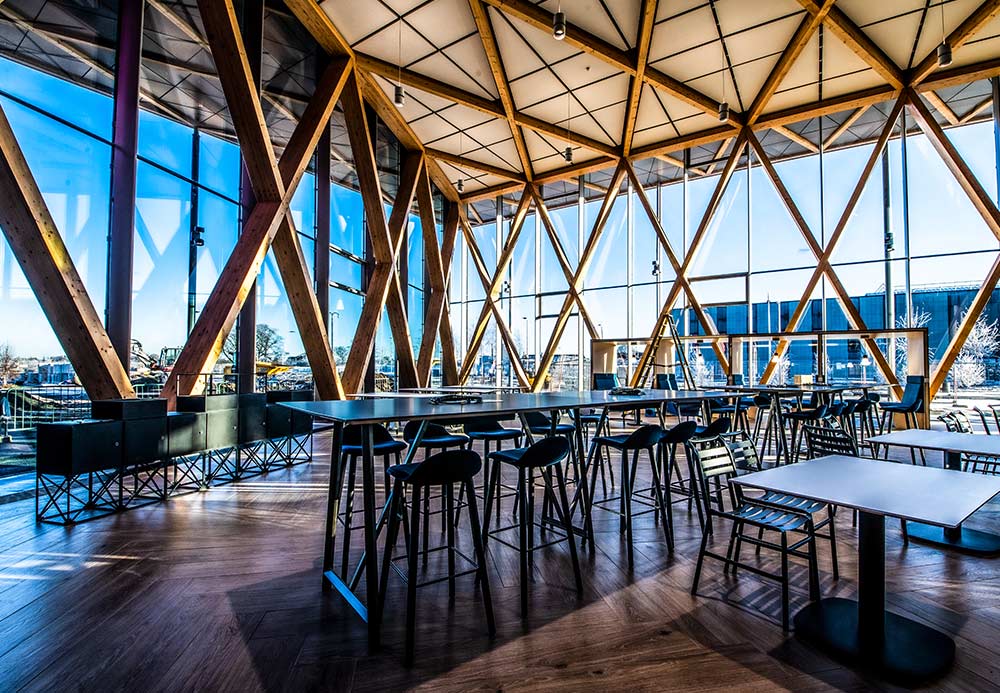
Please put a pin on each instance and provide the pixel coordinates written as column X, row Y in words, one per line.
column 971, row 443
column 792, row 389
column 934, row 496
column 420, row 407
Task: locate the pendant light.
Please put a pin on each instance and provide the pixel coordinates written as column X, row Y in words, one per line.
column 568, row 152
column 559, row 24
column 460, row 185
column 399, row 98
column 944, row 50
column 724, row 106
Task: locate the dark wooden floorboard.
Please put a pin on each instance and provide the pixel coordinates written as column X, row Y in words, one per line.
column 220, row 591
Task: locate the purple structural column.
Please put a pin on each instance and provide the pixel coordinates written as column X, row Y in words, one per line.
column 118, row 308
column 322, row 266
column 246, row 352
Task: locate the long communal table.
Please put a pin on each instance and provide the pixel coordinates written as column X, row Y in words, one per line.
column 863, row 633
column 368, row 412
column 953, row 445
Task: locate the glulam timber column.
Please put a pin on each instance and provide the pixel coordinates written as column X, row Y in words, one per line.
column 246, row 343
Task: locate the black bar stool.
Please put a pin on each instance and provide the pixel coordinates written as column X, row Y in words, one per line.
column 544, row 456
column 669, row 468
column 436, row 437
column 385, row 446
column 644, row 438
column 487, row 430
column 800, row 418
column 443, row 469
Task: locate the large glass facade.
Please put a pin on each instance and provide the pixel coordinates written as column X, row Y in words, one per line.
column 912, row 253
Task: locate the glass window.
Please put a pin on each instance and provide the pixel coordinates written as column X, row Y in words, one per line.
column 78, row 105
column 166, row 142
column 219, row 165
column 347, row 229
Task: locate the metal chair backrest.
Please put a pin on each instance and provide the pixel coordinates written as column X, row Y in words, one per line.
column 711, row 459
column 829, row 441
column 744, row 451
column 433, row 430
column 681, row 433
column 665, row 381
column 545, row 452
column 956, row 422
column 644, row 437
column 604, row 381
column 913, row 393
column 447, row 467
column 718, row 427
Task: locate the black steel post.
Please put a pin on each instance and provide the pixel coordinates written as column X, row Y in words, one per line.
column 871, row 583
column 125, row 139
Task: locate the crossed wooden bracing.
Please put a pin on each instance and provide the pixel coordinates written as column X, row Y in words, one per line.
column 38, row 246
column 745, row 142
column 492, row 99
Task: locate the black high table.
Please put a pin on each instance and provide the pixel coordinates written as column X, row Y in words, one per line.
column 953, row 445
column 862, row 633
column 367, row 412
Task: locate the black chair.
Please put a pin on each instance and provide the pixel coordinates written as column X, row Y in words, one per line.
column 716, row 428
column 540, row 424
column 820, row 442
column 800, row 418
column 544, row 456
column 443, row 469
column 384, row 446
column 711, row 459
column 668, row 381
column 436, row 437
column 909, row 405
column 646, row 438
column 491, row 430
column 958, row 422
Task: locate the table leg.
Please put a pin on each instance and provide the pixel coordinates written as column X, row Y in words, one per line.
column 371, row 550
column 333, row 501
column 972, row 541
column 581, row 483
column 863, row 634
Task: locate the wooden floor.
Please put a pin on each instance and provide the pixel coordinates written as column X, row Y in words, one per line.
column 220, row 591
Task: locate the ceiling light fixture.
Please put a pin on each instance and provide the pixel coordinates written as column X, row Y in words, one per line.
column 568, row 152
column 724, row 106
column 460, row 186
column 944, row 50
column 559, row 24
column 399, row 98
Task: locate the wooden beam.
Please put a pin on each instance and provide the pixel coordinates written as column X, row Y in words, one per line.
column 957, row 76
column 466, row 162
column 858, row 41
column 492, row 288
column 384, row 289
column 564, row 264
column 647, row 20
column 696, row 241
column 800, row 39
column 492, row 49
column 966, row 179
column 222, row 29
column 704, row 319
column 676, row 144
column 844, row 298
column 436, row 87
column 823, row 262
column 449, row 362
column 43, row 257
column 941, row 107
column 981, row 16
column 977, row 109
column 836, row 104
column 204, row 344
column 436, row 290
column 843, row 127
column 796, row 138
column 975, row 309
column 586, row 255
column 602, row 50
column 319, row 25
